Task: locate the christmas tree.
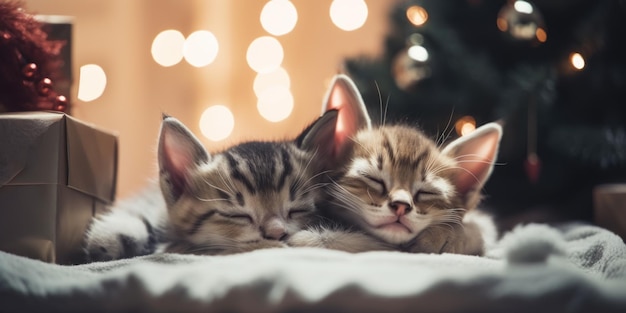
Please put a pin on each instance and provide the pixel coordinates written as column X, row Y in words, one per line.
column 552, row 71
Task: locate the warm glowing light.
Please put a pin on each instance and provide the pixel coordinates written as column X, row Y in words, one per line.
column 92, row 82
column 217, row 123
column 577, row 61
column 523, row 7
column 167, row 47
column 417, row 15
column 263, row 81
column 348, row 15
column 200, row 48
column 418, row 53
column 275, row 103
column 465, row 125
column 502, row 24
column 541, row 35
column 265, row 54
column 279, row 17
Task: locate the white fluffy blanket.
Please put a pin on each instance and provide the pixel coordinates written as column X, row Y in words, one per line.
column 534, row 268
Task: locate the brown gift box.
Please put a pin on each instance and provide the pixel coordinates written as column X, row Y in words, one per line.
column 56, row 173
column 609, row 207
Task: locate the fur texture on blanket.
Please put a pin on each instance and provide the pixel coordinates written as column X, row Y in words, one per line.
column 534, row 268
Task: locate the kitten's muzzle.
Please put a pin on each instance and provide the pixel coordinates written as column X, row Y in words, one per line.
column 400, row 208
column 274, row 229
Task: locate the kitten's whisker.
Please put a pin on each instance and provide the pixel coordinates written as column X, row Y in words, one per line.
column 369, row 195
column 227, row 184
column 218, row 188
column 386, row 109
column 314, row 177
column 298, row 183
column 211, row 200
column 441, row 138
column 312, row 187
column 380, row 102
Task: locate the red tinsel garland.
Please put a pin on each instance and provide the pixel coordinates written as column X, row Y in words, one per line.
column 29, row 63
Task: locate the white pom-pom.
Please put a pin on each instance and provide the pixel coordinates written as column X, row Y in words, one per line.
column 533, row 243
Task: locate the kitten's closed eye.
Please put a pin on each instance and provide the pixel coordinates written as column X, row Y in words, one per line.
column 425, row 194
column 381, row 183
column 295, row 212
column 239, row 217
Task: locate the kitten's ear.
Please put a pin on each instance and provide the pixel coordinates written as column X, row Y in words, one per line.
column 344, row 96
column 475, row 155
column 179, row 152
column 320, row 138
column 344, row 114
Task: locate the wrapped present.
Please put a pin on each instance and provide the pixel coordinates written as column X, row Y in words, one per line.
column 609, row 207
column 56, row 173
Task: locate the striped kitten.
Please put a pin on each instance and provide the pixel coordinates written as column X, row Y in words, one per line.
column 402, row 188
column 251, row 196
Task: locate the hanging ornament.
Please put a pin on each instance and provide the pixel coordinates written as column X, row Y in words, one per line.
column 521, row 21
column 410, row 65
column 30, row 63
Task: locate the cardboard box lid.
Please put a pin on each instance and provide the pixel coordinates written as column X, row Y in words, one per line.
column 55, row 148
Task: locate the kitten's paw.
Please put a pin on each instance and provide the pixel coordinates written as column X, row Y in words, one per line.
column 342, row 240
column 118, row 235
column 305, row 238
column 449, row 239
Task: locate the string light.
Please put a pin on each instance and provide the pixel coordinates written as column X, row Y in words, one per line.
column 418, row 53
column 577, row 60
column 417, row 15
column 263, row 81
column 167, row 47
column 92, row 82
column 279, row 17
column 217, row 123
column 201, row 48
column 541, row 35
column 348, row 15
column 275, row 103
column 523, row 7
column 465, row 125
column 265, row 54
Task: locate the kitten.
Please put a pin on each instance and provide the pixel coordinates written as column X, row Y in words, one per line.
column 251, row 196
column 404, row 190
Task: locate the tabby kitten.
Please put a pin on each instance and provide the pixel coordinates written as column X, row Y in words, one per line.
column 403, row 189
column 251, row 196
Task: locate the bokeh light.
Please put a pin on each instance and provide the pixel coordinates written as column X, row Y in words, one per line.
column 577, row 60
column 465, row 125
column 523, row 7
column 348, row 15
column 541, row 35
column 279, row 17
column 265, row 54
column 275, row 103
column 167, row 47
column 217, row 122
column 418, row 53
column 417, row 15
column 200, row 48
column 92, row 82
column 263, row 81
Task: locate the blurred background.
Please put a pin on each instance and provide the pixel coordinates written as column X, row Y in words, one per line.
column 128, row 39
column 553, row 72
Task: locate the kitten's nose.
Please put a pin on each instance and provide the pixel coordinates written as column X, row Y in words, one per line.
column 274, row 229
column 400, row 208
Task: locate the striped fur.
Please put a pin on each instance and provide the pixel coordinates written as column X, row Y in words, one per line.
column 254, row 195
column 403, row 189
column 251, row 196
